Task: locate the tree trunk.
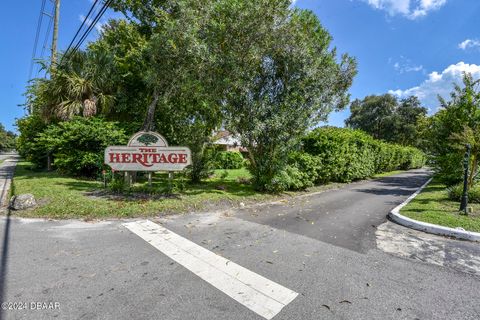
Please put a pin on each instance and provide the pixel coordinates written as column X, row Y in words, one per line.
column 149, row 123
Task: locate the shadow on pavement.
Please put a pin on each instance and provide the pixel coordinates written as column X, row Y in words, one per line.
column 3, row 262
column 397, row 186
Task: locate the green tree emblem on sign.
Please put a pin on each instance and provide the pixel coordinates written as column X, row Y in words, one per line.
column 147, row 139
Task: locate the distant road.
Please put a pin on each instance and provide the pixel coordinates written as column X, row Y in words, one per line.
column 7, row 154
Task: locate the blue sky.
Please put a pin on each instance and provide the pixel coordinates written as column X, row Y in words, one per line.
column 405, row 47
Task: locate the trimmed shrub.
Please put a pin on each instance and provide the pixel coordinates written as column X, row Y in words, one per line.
column 308, row 167
column 346, row 155
column 290, row 178
column 228, row 160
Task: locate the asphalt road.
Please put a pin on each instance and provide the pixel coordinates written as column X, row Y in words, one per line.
column 6, row 155
column 335, row 249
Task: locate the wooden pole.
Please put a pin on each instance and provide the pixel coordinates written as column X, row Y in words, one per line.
column 56, row 18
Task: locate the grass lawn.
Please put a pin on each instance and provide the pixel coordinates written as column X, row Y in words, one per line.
column 387, row 174
column 433, row 205
column 62, row 197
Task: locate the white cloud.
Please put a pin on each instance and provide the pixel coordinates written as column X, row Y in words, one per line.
column 406, row 65
column 469, row 43
column 82, row 18
column 411, row 9
column 439, row 84
column 98, row 26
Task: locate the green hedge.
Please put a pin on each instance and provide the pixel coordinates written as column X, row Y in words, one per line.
column 344, row 155
column 228, row 160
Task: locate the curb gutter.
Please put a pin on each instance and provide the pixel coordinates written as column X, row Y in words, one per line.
column 429, row 227
column 8, row 167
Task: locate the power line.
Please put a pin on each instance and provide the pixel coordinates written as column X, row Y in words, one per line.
column 49, row 28
column 70, row 51
column 81, row 26
column 92, row 25
column 39, row 26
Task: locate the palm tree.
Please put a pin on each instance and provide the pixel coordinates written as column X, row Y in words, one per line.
column 78, row 87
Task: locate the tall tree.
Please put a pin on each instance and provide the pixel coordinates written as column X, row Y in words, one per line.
column 77, row 87
column 452, row 127
column 7, row 139
column 386, row 118
column 281, row 78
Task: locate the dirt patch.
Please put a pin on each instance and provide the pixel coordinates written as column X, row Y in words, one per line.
column 104, row 194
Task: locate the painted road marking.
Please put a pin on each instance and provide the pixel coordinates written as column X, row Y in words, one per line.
column 262, row 296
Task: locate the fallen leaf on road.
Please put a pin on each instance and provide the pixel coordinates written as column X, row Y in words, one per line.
column 345, row 301
column 270, row 262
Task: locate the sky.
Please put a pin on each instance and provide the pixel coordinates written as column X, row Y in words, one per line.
column 403, row 47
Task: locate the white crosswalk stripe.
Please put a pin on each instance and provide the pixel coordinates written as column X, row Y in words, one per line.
column 257, row 293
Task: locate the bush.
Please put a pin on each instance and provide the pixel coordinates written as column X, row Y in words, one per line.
column 290, row 178
column 30, row 128
column 77, row 146
column 308, row 167
column 455, row 193
column 228, row 160
column 345, row 155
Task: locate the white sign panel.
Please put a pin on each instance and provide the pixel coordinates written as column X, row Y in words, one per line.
column 147, row 151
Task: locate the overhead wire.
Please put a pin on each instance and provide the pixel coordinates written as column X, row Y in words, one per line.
column 47, row 34
column 37, row 33
column 84, row 22
column 71, row 50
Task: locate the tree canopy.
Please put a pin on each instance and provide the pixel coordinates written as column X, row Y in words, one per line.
column 261, row 69
column 452, row 127
column 387, row 118
column 7, row 139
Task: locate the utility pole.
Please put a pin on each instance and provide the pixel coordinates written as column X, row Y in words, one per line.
column 55, row 34
column 53, row 59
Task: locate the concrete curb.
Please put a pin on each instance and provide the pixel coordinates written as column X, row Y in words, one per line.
column 429, row 227
column 9, row 167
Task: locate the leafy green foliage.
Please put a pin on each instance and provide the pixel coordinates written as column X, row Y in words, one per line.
column 345, row 155
column 264, row 70
column 283, row 78
column 455, row 193
column 385, row 118
column 77, row 146
column 228, row 160
column 7, row 139
column 30, row 128
column 451, row 128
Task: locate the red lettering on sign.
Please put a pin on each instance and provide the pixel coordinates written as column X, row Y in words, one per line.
column 162, row 158
column 172, row 158
column 114, row 157
column 125, row 157
column 145, row 160
column 136, row 157
column 182, row 158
